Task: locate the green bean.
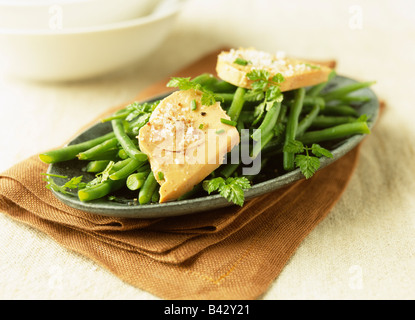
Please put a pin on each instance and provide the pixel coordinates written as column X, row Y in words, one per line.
column 259, row 146
column 205, row 79
column 312, row 101
column 147, row 190
column 70, row 152
column 223, row 86
column 353, row 99
column 98, row 149
column 224, row 97
column 128, row 169
column 136, row 180
column 229, row 169
column 237, row 104
column 292, row 125
column 126, row 143
column 315, row 90
column 331, row 121
column 122, row 154
column 268, row 123
column 277, row 141
column 343, row 91
column 156, row 195
column 246, row 117
column 144, row 168
column 97, row 166
column 120, row 114
column 100, row 190
column 111, row 154
column 336, row 132
column 308, row 119
column 121, row 164
column 191, row 193
column 135, row 125
column 210, row 82
column 341, row 110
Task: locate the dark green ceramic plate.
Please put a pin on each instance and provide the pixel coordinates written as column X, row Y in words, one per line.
column 124, row 209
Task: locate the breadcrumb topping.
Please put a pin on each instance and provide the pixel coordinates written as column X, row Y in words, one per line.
column 275, row 63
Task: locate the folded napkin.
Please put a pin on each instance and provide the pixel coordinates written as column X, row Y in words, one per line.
column 231, row 253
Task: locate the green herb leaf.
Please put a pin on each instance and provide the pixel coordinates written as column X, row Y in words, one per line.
column 182, row 83
column 278, row 78
column 320, row 151
column 213, row 184
column 308, row 164
column 104, row 175
column 262, row 86
column 231, row 189
column 313, row 66
column 274, row 94
column 258, row 113
column 240, row 181
column 254, row 95
column 137, row 109
column 73, row 183
column 257, row 75
column 208, row 97
column 294, row 146
column 241, row 61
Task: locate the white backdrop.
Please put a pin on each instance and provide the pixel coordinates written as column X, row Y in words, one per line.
column 363, row 250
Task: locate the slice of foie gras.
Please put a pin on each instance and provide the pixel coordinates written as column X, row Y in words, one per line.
column 184, row 145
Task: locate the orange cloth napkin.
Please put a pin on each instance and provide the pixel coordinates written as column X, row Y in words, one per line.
column 232, row 253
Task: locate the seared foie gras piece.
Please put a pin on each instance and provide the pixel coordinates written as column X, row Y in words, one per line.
column 185, row 141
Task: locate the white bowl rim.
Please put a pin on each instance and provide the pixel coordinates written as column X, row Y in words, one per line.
column 150, row 18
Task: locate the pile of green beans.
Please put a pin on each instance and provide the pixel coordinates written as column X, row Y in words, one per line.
column 118, row 156
column 311, row 115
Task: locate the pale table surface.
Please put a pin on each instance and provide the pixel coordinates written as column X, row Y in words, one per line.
column 364, row 249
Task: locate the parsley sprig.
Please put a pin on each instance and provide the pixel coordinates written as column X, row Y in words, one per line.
column 266, row 88
column 309, row 162
column 208, row 97
column 231, row 189
column 74, row 183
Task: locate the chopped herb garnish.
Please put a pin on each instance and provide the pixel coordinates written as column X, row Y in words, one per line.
column 73, row 183
column 160, row 175
column 307, row 163
column 313, row 66
column 201, row 126
column 241, row 61
column 231, row 189
column 264, row 83
column 193, row 105
column 208, row 97
column 229, row 122
column 220, row 131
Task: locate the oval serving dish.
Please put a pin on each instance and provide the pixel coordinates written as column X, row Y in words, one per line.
column 108, row 207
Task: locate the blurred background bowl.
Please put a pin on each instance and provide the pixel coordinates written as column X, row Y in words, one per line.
column 44, row 14
column 70, row 54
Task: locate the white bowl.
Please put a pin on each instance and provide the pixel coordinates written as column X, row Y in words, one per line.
column 53, row 14
column 76, row 54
